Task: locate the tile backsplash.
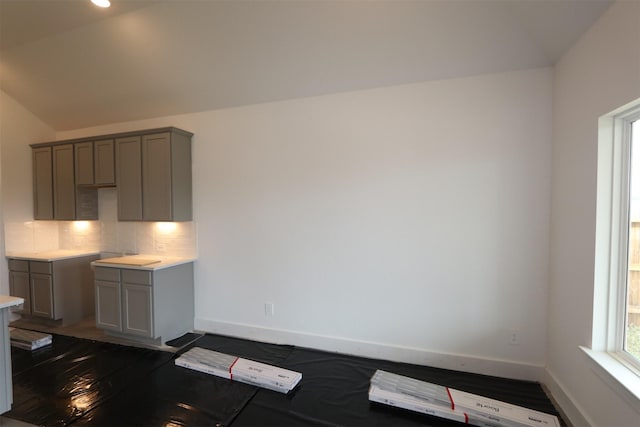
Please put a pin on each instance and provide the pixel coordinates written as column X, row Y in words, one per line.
column 31, row 236
column 105, row 235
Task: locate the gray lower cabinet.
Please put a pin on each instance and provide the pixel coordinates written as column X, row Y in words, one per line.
column 6, row 382
column 146, row 304
column 42, row 295
column 60, row 291
column 137, row 310
column 124, row 300
column 108, row 299
column 19, row 285
column 6, row 374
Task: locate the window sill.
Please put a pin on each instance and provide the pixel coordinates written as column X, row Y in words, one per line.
column 624, row 381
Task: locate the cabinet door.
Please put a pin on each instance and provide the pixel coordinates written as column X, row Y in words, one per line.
column 42, row 183
column 104, row 162
column 42, row 295
column 129, row 178
column 137, row 309
column 84, row 163
column 108, row 305
column 19, row 287
column 64, row 189
column 156, row 177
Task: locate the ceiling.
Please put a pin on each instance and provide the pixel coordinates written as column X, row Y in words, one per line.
column 76, row 66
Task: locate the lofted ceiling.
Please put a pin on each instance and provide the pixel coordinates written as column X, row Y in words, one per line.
column 76, row 66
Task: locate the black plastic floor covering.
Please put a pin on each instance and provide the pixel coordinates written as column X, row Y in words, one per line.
column 79, row 382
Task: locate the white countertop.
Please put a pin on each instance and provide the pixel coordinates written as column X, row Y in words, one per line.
column 53, row 255
column 153, row 262
column 7, row 301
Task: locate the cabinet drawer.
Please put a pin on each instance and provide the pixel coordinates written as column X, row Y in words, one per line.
column 19, row 265
column 140, row 277
column 108, row 274
column 41, row 267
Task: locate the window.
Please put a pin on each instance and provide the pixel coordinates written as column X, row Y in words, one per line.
column 615, row 343
column 618, row 235
column 631, row 341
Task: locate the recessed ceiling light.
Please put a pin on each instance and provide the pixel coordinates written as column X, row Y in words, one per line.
column 101, row 3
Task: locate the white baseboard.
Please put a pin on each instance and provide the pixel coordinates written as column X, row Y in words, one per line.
column 375, row 350
column 562, row 399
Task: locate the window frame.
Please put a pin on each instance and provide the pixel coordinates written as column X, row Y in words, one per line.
column 624, row 126
column 618, row 367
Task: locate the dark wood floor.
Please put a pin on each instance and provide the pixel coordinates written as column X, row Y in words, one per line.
column 86, row 382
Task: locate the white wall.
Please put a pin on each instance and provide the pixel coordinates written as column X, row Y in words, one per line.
column 405, row 222
column 601, row 72
column 18, row 129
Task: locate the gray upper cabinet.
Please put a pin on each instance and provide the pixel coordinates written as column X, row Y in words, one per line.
column 95, row 163
column 151, row 170
column 84, row 163
column 71, row 202
column 104, row 162
column 154, row 177
column 42, row 183
column 55, row 193
column 86, row 204
column 129, row 178
column 166, row 177
column 64, row 189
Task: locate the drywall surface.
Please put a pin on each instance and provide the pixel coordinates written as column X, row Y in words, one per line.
column 413, row 218
column 600, row 73
column 18, row 129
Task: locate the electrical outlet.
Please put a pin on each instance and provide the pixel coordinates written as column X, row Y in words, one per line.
column 514, row 337
column 269, row 309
